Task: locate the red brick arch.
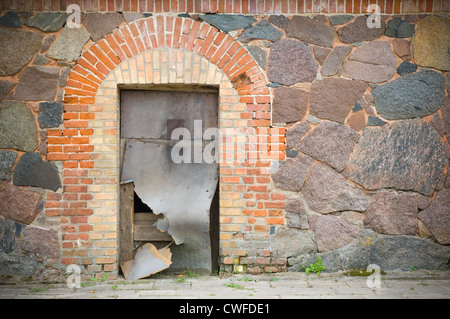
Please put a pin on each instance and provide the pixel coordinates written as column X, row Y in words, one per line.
column 88, row 143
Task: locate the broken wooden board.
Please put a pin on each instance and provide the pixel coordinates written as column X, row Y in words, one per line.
column 147, row 261
column 126, row 221
column 145, row 228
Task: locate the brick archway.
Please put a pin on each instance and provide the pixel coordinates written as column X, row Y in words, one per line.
column 152, row 51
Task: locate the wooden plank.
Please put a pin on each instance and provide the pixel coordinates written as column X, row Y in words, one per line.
column 146, row 217
column 126, row 222
column 148, row 232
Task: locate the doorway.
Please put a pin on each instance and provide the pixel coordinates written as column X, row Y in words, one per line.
column 166, row 144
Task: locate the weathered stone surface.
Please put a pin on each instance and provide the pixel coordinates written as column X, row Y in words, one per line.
column 289, row 104
column 259, row 54
column 340, row 19
column 403, row 49
column 31, row 170
column 5, row 88
column 331, row 143
column 372, row 62
column 406, row 68
column 18, row 203
column 290, row 61
column 40, row 60
column 132, row 16
column 291, row 175
column 392, row 213
column 228, row 22
column 47, row 41
column 10, row 20
column 7, row 234
column 394, row 252
column 47, row 21
column 296, row 133
column 287, row 242
column 18, row 263
column 297, row 220
column 321, row 54
column 295, row 206
column 41, row 241
column 357, row 31
column 327, row 191
column 410, row 96
column 14, row 114
column 335, row 60
column 375, row 121
column 333, row 98
column 262, row 31
column 398, row 28
column 50, row 114
column 7, row 160
column 431, row 43
column 437, row 217
column 100, row 24
column 357, row 121
column 17, row 47
column 38, row 83
column 446, row 118
column 331, row 232
column 398, row 156
column 310, row 30
column 69, row 44
column 279, row 21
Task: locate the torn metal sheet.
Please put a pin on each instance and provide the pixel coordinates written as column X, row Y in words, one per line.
column 182, row 192
column 147, row 261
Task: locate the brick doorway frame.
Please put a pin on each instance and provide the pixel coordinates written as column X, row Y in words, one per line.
column 153, row 51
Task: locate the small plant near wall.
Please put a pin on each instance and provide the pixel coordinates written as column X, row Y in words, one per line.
column 317, row 267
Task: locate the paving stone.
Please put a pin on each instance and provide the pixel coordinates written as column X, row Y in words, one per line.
column 406, row 68
column 287, row 242
column 334, row 62
column 10, row 20
column 100, row 24
column 375, row 121
column 7, row 160
column 41, row 241
column 69, row 44
column 327, row 191
column 398, row 28
column 392, row 213
column 291, row 175
column 311, row 31
column 14, row 114
column 31, row 170
column 228, row 22
column 38, row 83
column 262, row 31
column 47, row 41
column 259, row 54
column 18, row 203
column 289, row 104
column 398, row 156
column 437, row 217
column 412, row 95
column 47, row 21
column 296, row 133
column 331, row 232
column 357, row 31
column 446, row 118
column 17, row 47
column 431, row 43
column 290, row 62
column 403, row 49
column 50, row 114
column 40, row 60
column 372, row 62
column 331, row 143
column 333, row 98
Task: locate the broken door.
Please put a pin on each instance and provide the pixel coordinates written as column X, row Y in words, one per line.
column 163, row 134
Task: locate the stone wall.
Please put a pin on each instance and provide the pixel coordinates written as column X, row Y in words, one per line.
column 363, row 114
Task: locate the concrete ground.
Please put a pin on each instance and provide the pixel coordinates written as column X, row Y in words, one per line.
column 398, row 285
